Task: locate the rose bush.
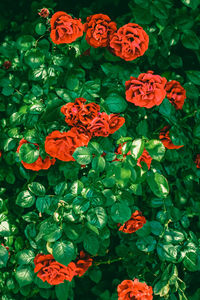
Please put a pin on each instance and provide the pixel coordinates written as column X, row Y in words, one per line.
column 100, row 158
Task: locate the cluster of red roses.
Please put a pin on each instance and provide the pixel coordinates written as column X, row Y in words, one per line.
column 134, row 290
column 51, row 271
column 149, row 90
column 87, row 121
column 128, row 42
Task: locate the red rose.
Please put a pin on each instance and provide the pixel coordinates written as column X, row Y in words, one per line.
column 175, row 93
column 147, row 90
column 99, row 126
column 62, row 145
column 99, row 29
column 115, row 122
column 134, row 290
column 39, row 164
column 146, row 158
column 129, row 42
column 83, row 264
column 65, row 29
column 79, row 112
column 88, row 112
column 51, row 271
column 70, row 110
column 165, row 139
column 44, row 13
column 136, row 222
column 7, row 64
column 197, row 161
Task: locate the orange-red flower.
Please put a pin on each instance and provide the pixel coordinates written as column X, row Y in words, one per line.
column 39, row 164
column 115, row 122
column 100, row 125
column 64, row 28
column 79, row 113
column 83, row 264
column 44, row 13
column 136, row 222
column 99, row 29
column 197, row 161
column 165, row 139
column 53, row 272
column 175, row 93
column 147, row 90
column 146, row 158
column 129, row 42
column 62, row 145
column 134, row 290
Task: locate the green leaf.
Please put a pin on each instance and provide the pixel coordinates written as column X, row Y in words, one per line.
column 168, row 252
column 24, row 275
column 4, row 229
column 122, row 175
column 7, row 91
column 28, row 153
column 43, row 204
column 37, row 188
column 161, row 288
column 145, row 230
column 146, row 244
column 158, row 184
column 62, row 290
column 25, row 42
column 40, row 28
column 49, row 231
column 97, row 217
column 25, row 257
column 3, row 256
column 194, row 76
column 34, row 58
column 61, row 188
column 116, row 103
column 156, row 228
column 190, row 261
column 98, row 163
column 137, row 148
column 91, row 244
column 82, row 155
column 156, row 149
column 95, row 148
column 120, row 212
column 174, row 236
column 95, row 275
column 190, row 40
column 63, row 252
column 25, row 199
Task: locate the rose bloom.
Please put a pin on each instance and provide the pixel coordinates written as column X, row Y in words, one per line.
column 79, row 112
column 175, row 93
column 99, row 29
column 165, row 139
column 134, row 290
column 62, row 145
column 147, row 90
column 146, row 158
column 115, row 122
column 129, row 42
column 99, row 126
column 136, row 222
column 88, row 112
column 197, row 161
column 83, row 264
column 39, row 164
column 53, row 272
column 7, row 64
column 64, row 28
column 44, row 13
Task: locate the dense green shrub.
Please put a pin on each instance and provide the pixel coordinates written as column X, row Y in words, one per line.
column 78, row 205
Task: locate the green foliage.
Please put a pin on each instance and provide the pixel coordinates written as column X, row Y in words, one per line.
column 79, row 205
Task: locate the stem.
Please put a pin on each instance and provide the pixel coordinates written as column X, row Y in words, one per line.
column 190, row 115
column 110, row 261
